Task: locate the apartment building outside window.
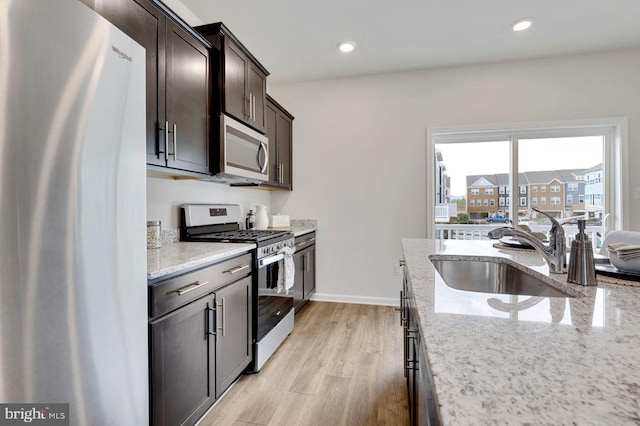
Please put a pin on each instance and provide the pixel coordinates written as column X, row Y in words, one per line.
column 524, row 148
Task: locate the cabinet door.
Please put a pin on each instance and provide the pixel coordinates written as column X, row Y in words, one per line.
column 236, row 103
column 257, row 89
column 187, row 97
column 233, row 312
column 271, row 116
column 145, row 23
column 298, row 280
column 309, row 272
column 284, row 151
column 182, row 360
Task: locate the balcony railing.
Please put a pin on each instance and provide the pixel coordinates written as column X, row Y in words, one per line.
column 479, row 232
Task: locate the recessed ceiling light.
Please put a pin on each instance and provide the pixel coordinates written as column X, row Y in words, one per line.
column 346, row 46
column 522, row 24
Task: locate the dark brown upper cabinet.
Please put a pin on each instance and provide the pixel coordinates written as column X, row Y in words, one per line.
column 280, row 134
column 241, row 79
column 177, row 82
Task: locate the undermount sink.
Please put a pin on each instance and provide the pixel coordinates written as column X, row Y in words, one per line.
column 492, row 276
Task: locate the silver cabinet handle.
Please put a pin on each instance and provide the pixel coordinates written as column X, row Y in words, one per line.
column 280, row 173
column 219, row 326
column 253, row 110
column 211, row 326
column 247, row 104
column 175, row 142
column 224, row 321
column 166, row 140
column 307, row 268
column 235, row 270
column 190, row 287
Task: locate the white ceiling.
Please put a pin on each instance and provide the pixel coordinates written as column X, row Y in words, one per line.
column 296, row 39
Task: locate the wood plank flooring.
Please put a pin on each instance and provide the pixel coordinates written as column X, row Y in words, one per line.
column 341, row 365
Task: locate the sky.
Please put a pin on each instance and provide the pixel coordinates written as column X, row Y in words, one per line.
column 462, row 159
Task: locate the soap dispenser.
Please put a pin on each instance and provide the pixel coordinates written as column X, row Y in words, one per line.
column 581, row 265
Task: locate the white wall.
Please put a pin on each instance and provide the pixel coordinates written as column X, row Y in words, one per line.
column 360, row 148
column 165, row 195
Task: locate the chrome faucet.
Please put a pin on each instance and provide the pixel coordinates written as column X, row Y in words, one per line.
column 555, row 254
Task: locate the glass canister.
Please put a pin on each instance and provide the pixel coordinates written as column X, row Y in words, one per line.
column 154, row 231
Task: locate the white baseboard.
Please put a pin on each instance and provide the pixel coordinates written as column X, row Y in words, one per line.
column 361, row 300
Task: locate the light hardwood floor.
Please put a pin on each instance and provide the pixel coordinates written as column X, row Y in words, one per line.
column 341, row 365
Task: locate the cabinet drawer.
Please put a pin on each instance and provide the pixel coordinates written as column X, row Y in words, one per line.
column 305, row 240
column 170, row 294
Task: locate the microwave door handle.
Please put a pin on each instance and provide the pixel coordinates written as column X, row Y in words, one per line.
column 263, row 167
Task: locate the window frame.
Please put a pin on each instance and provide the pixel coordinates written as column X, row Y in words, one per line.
column 615, row 132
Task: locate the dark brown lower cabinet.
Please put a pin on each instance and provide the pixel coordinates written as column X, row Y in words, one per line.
column 422, row 406
column 198, row 350
column 233, row 351
column 183, row 353
column 304, row 283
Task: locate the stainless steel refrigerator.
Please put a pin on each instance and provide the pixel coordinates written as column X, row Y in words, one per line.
column 73, row 296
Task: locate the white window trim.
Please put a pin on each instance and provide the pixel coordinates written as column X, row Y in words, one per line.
column 615, row 131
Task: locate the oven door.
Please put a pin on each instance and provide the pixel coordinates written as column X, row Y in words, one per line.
column 273, row 304
column 245, row 151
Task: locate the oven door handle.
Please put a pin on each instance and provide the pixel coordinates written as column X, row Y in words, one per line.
column 269, row 260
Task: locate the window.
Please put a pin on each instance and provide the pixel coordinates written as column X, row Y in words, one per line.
column 534, row 201
column 569, row 199
column 523, row 149
column 475, row 191
column 581, row 199
column 472, row 202
column 488, row 191
column 501, row 201
column 523, row 201
column 492, row 202
column 485, row 202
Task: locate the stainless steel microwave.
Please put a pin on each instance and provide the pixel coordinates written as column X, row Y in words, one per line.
column 244, row 154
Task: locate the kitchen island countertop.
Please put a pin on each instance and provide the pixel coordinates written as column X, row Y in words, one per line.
column 183, row 256
column 501, row 359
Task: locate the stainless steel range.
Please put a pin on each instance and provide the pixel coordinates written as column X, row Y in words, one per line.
column 273, row 307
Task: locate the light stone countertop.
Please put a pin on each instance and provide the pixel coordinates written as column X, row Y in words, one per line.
column 301, row 226
column 182, row 256
column 555, row 361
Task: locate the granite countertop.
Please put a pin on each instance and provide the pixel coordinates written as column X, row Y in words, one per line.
column 183, row 256
column 301, row 226
column 526, row 360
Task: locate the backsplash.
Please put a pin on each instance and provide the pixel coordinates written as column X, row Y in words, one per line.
column 306, row 223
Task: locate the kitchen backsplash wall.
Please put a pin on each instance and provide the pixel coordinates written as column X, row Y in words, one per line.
column 164, row 196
